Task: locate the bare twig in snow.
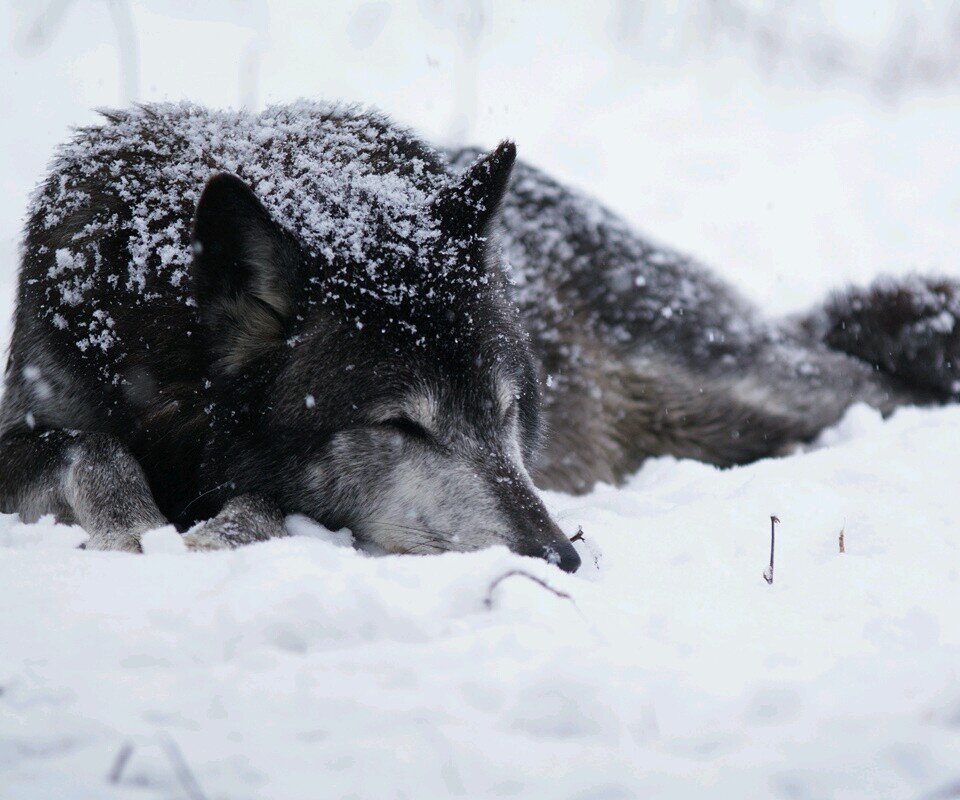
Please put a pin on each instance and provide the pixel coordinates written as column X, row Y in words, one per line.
column 120, row 762
column 488, row 601
column 768, row 572
column 40, row 33
column 842, row 549
column 578, row 536
column 182, row 770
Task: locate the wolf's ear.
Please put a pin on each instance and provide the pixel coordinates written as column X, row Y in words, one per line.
column 464, row 208
column 246, row 271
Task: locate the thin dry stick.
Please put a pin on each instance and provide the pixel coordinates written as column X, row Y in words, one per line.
column 768, row 572
column 578, row 536
column 184, row 775
column 488, row 601
column 842, row 550
column 120, row 762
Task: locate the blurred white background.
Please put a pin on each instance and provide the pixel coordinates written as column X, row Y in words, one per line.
column 791, row 145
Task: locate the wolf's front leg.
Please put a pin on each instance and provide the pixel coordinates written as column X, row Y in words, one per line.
column 243, row 520
column 90, row 479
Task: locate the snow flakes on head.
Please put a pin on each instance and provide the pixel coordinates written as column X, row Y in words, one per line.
column 353, row 188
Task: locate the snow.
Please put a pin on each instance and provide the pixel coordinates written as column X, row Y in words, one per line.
column 302, row 667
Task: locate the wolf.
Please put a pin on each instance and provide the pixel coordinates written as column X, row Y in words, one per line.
column 227, row 317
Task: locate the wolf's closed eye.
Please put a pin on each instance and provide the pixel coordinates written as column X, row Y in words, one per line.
column 407, row 426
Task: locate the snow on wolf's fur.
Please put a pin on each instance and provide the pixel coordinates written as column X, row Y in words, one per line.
column 352, row 187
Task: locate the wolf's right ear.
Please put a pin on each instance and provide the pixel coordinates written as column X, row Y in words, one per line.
column 246, row 273
column 466, row 206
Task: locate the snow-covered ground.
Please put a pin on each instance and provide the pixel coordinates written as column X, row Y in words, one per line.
column 302, row 668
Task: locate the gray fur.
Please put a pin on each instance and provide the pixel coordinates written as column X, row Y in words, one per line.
column 245, row 519
column 646, row 353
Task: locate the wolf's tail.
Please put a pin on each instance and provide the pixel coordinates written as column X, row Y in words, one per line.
column 907, row 327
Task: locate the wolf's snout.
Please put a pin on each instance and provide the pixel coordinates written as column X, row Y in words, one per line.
column 558, row 551
column 538, row 535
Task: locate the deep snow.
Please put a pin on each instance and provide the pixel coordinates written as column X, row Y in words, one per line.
column 302, row 668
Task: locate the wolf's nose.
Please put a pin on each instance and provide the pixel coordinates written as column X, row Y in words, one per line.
column 569, row 558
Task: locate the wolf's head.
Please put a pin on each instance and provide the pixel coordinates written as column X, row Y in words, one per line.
column 391, row 391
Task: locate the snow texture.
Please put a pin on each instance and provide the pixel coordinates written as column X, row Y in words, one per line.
column 301, row 667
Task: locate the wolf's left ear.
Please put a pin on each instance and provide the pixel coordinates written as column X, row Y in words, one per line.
column 464, row 208
column 246, row 272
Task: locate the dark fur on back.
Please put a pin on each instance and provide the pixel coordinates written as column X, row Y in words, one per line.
column 651, row 354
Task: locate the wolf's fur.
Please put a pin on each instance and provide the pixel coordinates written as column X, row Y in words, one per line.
column 650, row 354
column 330, row 333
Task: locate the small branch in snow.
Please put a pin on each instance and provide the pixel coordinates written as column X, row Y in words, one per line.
column 768, row 572
column 488, row 601
column 184, row 775
column 578, row 536
column 120, row 762
column 842, row 549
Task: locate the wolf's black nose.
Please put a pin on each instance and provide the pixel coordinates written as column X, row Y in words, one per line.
column 569, row 558
column 559, row 552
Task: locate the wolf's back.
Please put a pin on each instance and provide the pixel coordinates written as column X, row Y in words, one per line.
column 573, row 261
column 649, row 353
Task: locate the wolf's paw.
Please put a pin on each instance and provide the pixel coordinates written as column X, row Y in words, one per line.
column 214, row 534
column 243, row 520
